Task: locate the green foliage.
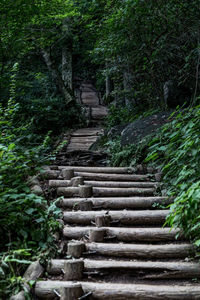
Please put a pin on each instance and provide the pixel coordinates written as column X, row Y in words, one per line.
column 176, row 150
column 26, row 220
column 120, row 115
column 127, row 155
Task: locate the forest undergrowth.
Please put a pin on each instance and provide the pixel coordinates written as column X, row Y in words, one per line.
column 175, row 150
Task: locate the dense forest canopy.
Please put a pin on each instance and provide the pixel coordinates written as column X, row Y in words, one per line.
column 129, row 49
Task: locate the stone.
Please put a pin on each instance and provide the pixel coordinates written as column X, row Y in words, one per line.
column 136, row 131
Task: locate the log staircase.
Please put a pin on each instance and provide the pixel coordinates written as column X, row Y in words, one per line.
column 113, row 244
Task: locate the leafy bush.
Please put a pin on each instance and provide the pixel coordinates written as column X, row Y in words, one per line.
column 176, row 150
column 128, row 155
column 119, row 115
column 26, row 220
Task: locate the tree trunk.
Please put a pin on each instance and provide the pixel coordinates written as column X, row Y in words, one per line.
column 65, row 91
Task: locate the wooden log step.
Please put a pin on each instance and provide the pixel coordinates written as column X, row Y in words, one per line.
column 87, row 132
column 110, row 291
column 125, row 217
column 90, row 101
column 115, row 170
column 112, row 177
column 127, row 234
column 119, row 202
column 115, row 192
column 84, row 139
column 59, row 183
column 164, row 270
column 50, row 174
column 112, row 170
column 121, row 184
column 143, row 251
column 119, row 192
column 78, row 147
column 115, row 184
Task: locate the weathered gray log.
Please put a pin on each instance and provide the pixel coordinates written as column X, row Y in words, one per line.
column 68, row 174
column 50, row 174
column 122, row 184
column 128, row 234
column 75, row 249
column 120, row 202
column 141, row 250
column 86, row 205
column 73, row 269
column 59, row 183
column 110, row 291
column 97, row 235
column 85, row 191
column 34, row 271
column 175, row 269
column 77, row 181
column 73, row 292
column 113, row 170
column 117, row 170
column 68, row 191
column 125, row 217
column 121, row 192
column 102, row 221
column 112, row 177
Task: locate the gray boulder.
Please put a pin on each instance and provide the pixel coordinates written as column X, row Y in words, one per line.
column 136, row 131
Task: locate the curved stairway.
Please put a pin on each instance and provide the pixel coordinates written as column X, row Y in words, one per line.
column 114, row 245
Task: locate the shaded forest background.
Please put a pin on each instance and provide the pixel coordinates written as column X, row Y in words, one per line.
column 129, row 49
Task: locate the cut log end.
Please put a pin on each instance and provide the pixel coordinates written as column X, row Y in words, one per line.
column 76, row 249
column 97, row 235
column 73, row 269
column 85, row 191
column 72, row 292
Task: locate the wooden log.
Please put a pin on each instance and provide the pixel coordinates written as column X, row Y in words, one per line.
column 87, row 132
column 117, row 291
column 59, row 183
column 141, row 250
column 102, row 221
column 120, row 202
column 86, row 205
column 73, row 292
column 33, row 272
column 121, row 184
column 121, row 192
column 77, row 181
column 49, row 174
column 97, row 235
column 75, row 249
column 68, row 174
column 125, row 217
column 112, row 177
column 85, row 191
column 73, row 269
column 175, row 269
column 112, row 170
column 151, row 235
column 68, row 191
